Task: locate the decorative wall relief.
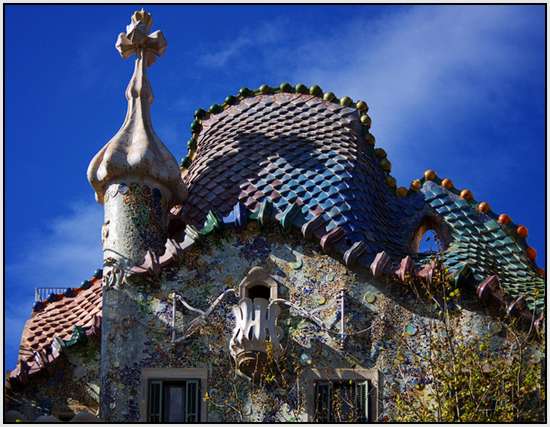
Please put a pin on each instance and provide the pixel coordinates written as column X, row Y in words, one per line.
column 256, row 327
column 113, row 273
column 217, row 319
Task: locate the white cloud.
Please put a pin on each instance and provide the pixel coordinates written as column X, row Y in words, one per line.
column 420, row 66
column 220, row 58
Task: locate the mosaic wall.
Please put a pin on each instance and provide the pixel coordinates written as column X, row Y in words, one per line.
column 135, row 218
column 137, row 327
column 67, row 388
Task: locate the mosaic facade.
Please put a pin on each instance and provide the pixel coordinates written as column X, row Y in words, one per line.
column 375, row 313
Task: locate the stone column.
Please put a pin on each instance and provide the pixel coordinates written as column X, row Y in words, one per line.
column 138, row 181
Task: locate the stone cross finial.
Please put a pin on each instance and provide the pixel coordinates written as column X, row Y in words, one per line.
column 136, row 151
column 136, row 41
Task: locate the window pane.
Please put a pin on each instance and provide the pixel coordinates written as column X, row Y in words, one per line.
column 362, row 405
column 154, row 402
column 174, row 398
column 174, row 401
column 192, row 400
column 343, row 401
column 322, row 402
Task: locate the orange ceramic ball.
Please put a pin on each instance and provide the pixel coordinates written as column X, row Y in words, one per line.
column 390, row 180
column 416, row 184
column 522, row 231
column 531, row 253
column 429, row 175
column 380, row 153
column 504, row 219
column 401, row 191
column 466, row 195
column 541, row 272
column 447, row 183
column 483, row 207
column 386, row 165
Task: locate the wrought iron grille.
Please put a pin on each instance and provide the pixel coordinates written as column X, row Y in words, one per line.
column 42, row 294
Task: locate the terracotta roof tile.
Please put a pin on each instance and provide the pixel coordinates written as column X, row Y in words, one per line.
column 57, row 319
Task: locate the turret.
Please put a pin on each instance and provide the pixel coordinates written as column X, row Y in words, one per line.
column 134, row 175
column 137, row 180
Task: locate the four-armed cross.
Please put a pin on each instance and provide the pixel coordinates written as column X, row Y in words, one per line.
column 136, row 41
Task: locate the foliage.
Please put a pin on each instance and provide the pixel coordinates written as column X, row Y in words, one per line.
column 491, row 377
column 269, row 387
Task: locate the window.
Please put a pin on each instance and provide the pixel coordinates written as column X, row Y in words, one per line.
column 341, row 401
column 174, row 400
column 173, row 394
column 343, row 394
column 258, row 291
column 431, row 236
column 429, row 243
column 258, row 283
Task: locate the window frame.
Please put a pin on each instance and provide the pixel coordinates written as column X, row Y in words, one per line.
column 372, row 378
column 161, row 376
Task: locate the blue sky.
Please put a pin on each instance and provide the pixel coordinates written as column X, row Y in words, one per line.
column 459, row 89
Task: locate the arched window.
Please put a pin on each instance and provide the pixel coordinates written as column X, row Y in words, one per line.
column 258, row 283
column 429, row 243
column 429, row 237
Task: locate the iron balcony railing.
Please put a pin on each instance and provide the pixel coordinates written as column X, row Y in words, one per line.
column 42, row 294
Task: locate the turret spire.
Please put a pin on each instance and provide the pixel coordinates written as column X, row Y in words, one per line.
column 136, row 151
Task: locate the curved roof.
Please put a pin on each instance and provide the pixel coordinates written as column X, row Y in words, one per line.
column 308, row 152
column 289, row 148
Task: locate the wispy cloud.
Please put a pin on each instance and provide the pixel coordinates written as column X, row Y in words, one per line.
column 265, row 33
column 65, row 253
column 457, row 89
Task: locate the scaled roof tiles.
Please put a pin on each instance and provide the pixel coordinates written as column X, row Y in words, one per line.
column 306, row 154
column 297, row 148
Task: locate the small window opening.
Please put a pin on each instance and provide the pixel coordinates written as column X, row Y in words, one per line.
column 258, row 291
column 429, row 243
column 427, row 238
column 174, row 401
